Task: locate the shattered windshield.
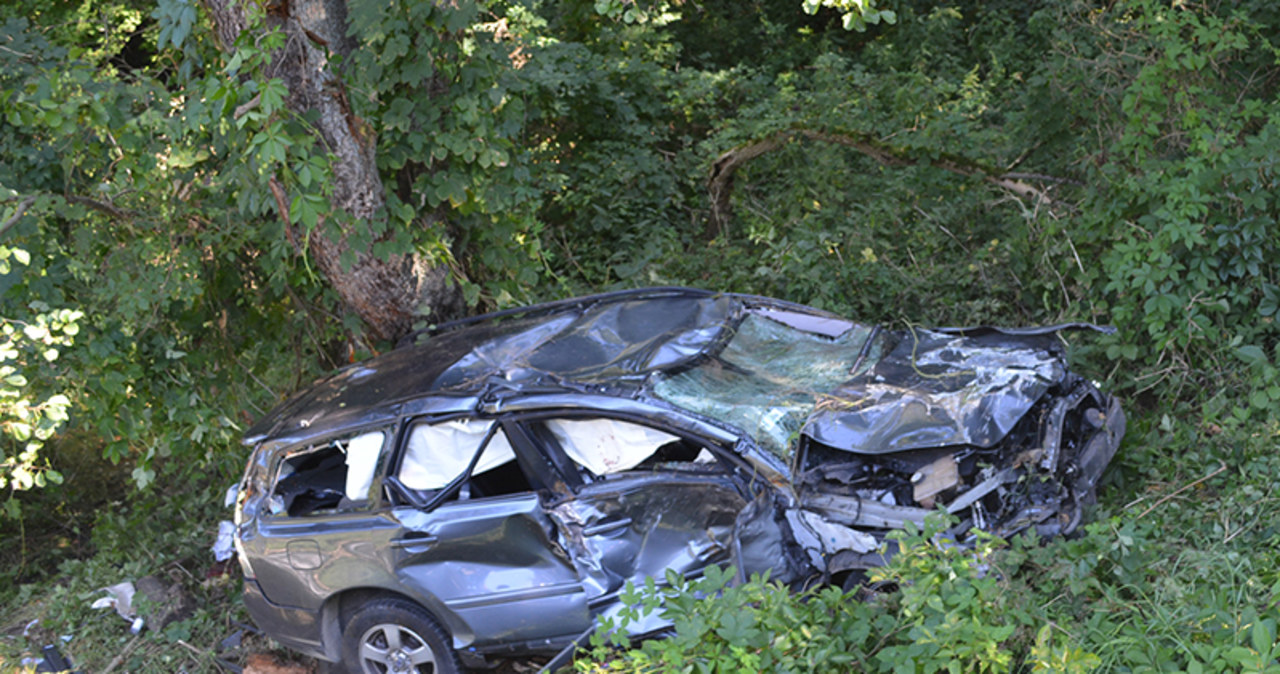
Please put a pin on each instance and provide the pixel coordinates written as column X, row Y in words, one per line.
column 767, row 379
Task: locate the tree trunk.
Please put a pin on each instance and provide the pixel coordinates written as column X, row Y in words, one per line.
column 388, row 293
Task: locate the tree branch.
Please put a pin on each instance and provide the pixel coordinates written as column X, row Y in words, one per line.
column 102, row 206
column 720, row 181
column 282, row 205
column 720, row 184
column 244, row 108
column 17, row 215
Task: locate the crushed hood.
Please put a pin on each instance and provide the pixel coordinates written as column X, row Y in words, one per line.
column 940, row 388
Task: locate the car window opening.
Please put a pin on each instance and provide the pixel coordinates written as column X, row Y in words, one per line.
column 437, row 456
column 326, row 477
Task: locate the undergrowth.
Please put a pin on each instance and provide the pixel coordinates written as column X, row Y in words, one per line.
column 147, row 533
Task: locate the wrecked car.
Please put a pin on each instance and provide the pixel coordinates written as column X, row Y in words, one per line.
column 488, row 488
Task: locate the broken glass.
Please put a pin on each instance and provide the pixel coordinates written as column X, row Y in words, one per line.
column 767, row 379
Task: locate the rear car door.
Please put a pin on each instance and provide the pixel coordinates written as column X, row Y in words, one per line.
column 323, row 520
column 475, row 544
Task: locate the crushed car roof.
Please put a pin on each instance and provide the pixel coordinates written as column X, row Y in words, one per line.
column 771, row 368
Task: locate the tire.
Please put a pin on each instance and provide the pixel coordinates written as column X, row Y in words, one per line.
column 396, row 636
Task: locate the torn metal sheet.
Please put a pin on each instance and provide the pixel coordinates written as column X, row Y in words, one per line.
column 642, row 526
column 935, row 390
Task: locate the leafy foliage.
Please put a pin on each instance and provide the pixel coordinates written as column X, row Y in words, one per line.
column 949, row 615
column 29, row 421
column 947, row 163
column 855, row 14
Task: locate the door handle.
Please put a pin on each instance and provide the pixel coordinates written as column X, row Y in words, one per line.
column 606, row 527
column 413, row 542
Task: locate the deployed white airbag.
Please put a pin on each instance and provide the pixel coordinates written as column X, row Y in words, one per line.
column 438, row 453
column 362, row 461
column 605, row 446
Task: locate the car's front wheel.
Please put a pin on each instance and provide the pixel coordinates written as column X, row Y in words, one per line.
column 396, row 636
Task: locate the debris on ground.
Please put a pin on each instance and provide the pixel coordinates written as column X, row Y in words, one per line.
column 265, row 663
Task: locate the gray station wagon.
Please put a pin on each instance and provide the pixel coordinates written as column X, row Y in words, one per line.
column 488, row 488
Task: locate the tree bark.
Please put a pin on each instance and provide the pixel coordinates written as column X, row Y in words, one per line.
column 390, row 293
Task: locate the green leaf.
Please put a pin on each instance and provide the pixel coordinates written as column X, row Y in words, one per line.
column 1264, row 635
column 1251, row 354
column 143, row 476
column 20, row 431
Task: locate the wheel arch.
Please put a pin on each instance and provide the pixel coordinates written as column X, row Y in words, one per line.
column 337, row 610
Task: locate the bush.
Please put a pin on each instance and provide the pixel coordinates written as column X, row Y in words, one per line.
column 950, row 612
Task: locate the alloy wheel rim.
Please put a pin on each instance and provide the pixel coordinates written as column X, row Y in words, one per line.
column 388, row 648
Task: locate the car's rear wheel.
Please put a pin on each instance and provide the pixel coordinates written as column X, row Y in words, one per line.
column 396, row 636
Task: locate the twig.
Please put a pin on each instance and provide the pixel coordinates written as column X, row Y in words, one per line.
column 120, row 658
column 282, row 205
column 244, row 108
column 1041, row 176
column 191, row 648
column 268, row 389
column 1221, row 467
column 15, row 52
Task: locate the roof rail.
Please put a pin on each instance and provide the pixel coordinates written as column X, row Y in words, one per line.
column 554, row 306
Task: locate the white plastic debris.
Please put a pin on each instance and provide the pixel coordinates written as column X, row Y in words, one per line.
column 230, row 499
column 26, row 631
column 837, row 537
column 817, row 535
column 223, row 546
column 120, row 597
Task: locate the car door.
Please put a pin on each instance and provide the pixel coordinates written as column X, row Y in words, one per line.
column 475, row 543
column 640, row 501
column 323, row 502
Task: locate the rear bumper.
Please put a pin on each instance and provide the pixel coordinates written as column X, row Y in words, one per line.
column 296, row 628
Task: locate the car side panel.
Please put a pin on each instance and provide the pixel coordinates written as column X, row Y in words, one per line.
column 301, row 561
column 296, row 628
